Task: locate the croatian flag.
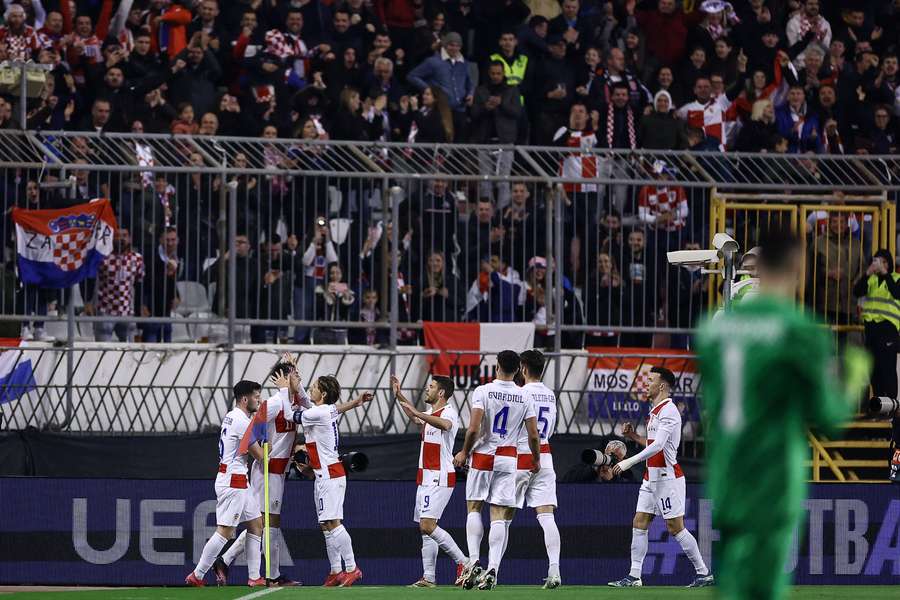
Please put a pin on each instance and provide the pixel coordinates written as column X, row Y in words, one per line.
column 257, row 431
column 469, row 350
column 59, row 248
column 16, row 374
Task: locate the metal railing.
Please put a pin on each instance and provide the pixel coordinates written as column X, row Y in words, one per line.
column 178, row 388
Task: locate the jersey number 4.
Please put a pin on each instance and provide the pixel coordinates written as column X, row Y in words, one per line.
column 500, row 421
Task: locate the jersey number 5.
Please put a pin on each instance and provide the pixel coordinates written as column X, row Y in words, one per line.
column 500, row 421
column 545, row 424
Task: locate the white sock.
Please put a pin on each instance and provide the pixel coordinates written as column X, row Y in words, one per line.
column 689, row 545
column 275, row 552
column 211, row 550
column 446, row 543
column 345, row 546
column 429, row 557
column 497, row 539
column 236, row 549
column 639, row 542
column 254, row 555
column 474, row 533
column 551, row 541
column 334, row 554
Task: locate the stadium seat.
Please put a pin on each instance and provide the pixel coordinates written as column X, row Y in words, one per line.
column 193, row 298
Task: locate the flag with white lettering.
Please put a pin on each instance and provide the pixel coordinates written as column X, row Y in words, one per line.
column 471, row 348
column 59, row 248
column 617, row 381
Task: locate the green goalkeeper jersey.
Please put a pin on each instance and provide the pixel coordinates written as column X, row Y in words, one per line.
column 768, row 374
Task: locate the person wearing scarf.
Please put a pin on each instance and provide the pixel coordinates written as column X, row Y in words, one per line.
column 808, row 25
column 618, row 122
column 799, row 125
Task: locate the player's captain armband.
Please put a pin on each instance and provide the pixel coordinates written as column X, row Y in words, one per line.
column 297, row 417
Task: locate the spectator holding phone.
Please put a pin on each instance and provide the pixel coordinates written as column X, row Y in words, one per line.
column 334, row 300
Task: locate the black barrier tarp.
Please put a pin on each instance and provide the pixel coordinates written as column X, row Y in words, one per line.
column 391, row 457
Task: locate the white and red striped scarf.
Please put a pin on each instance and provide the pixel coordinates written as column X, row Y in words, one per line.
column 611, row 126
column 811, row 24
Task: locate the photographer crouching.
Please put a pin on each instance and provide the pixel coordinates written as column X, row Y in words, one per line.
column 596, row 466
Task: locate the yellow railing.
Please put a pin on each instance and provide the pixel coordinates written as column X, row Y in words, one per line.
column 827, row 454
column 835, row 258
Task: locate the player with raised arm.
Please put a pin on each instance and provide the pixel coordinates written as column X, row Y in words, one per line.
column 499, row 411
column 539, row 489
column 318, row 413
column 662, row 492
column 282, row 433
column 436, row 475
column 234, row 501
column 768, row 374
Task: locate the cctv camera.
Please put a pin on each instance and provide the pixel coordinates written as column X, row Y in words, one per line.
column 687, row 258
column 724, row 243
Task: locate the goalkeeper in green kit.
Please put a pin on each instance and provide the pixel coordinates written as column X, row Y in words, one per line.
column 767, row 372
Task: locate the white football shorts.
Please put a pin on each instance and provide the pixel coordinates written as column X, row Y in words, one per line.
column 329, row 497
column 663, row 498
column 276, row 491
column 431, row 500
column 235, row 506
column 503, row 489
column 478, row 484
column 537, row 489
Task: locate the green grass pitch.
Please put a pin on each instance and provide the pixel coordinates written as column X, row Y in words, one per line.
column 363, row 592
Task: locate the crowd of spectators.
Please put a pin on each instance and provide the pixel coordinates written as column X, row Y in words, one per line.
column 775, row 76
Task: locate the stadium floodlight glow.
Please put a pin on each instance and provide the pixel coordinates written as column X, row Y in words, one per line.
column 726, row 247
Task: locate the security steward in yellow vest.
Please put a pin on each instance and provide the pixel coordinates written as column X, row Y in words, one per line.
column 515, row 64
column 880, row 286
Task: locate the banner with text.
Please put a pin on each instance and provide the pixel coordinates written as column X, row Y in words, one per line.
column 617, row 382
column 145, row 532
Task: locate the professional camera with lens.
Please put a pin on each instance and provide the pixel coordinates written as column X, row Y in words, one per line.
column 884, row 406
column 355, row 462
column 595, row 458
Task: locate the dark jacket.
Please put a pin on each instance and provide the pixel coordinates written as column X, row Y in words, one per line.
column 501, row 122
column 660, row 131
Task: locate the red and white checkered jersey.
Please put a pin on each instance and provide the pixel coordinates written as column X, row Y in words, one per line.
column 281, row 431
column 664, row 421
column 505, row 406
column 320, row 427
column 231, row 463
column 709, row 116
column 545, row 406
column 655, row 201
column 19, row 46
column 116, row 279
column 436, row 451
column 578, row 165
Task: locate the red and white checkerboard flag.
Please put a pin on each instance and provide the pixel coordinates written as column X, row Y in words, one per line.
column 59, row 248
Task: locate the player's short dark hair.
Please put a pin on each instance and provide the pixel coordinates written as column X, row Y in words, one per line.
column 282, row 368
column 445, row 383
column 666, row 375
column 508, row 362
column 245, row 387
column 533, row 361
column 778, row 246
column 331, row 387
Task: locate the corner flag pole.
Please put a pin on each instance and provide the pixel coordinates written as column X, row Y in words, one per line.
column 266, row 540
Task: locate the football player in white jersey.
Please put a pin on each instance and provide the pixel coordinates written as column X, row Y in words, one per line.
column 318, row 413
column 436, row 475
column 663, row 491
column 282, row 433
column 234, row 501
column 499, row 411
column 539, row 489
